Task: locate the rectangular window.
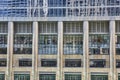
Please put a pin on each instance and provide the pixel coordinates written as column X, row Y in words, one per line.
column 3, row 62
column 99, row 43
column 99, row 77
column 3, row 37
column 118, row 76
column 25, row 62
column 22, row 76
column 73, row 27
column 72, row 63
column 23, row 38
column 72, row 76
column 47, row 76
column 73, row 44
column 48, row 39
column 49, row 63
column 99, row 27
column 23, row 44
column 100, row 63
column 48, row 44
column 118, row 44
column 2, row 76
column 118, row 63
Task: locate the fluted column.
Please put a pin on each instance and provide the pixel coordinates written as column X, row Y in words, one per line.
column 85, row 50
column 60, row 51
column 10, row 51
column 35, row 51
column 112, row 51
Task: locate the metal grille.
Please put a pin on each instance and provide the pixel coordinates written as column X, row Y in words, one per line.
column 99, row 27
column 73, row 27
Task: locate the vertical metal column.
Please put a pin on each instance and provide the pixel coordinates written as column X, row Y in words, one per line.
column 60, row 51
column 112, row 51
column 35, row 51
column 10, row 51
column 85, row 50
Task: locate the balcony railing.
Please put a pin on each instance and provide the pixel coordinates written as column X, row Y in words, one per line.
column 73, row 49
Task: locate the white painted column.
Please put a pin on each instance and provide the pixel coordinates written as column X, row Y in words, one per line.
column 60, row 51
column 9, row 72
column 85, row 50
column 112, row 50
column 35, row 51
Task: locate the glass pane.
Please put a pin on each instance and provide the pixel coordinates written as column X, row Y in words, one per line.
column 73, row 44
column 48, row 44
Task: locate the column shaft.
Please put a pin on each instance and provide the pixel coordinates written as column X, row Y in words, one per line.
column 85, row 50
column 60, row 50
column 10, row 50
column 35, row 51
column 112, row 51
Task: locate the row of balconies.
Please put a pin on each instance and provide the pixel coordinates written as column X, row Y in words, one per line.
column 93, row 63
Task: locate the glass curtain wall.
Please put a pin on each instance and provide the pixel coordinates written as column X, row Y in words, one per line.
column 48, row 38
column 73, row 38
column 23, row 38
column 59, row 8
column 3, row 37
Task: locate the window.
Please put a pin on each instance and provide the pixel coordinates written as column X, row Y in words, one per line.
column 99, row 27
column 47, row 76
column 73, row 38
column 22, row 76
column 23, row 44
column 118, row 44
column 99, row 43
column 97, row 63
column 99, row 77
column 3, row 62
column 73, row 44
column 23, row 38
column 117, row 63
column 73, row 76
column 3, row 38
column 48, row 44
column 73, row 27
column 48, row 39
column 118, row 76
column 25, row 62
column 72, row 63
column 2, row 76
column 49, row 63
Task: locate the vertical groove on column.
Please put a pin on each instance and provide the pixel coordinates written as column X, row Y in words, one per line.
column 85, row 50
column 112, row 51
column 10, row 51
column 60, row 50
column 35, row 51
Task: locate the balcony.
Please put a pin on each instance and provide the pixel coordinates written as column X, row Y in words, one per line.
column 97, row 63
column 98, row 51
column 22, row 50
column 73, row 49
column 48, row 49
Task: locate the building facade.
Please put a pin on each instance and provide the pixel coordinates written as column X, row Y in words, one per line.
column 59, row 39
